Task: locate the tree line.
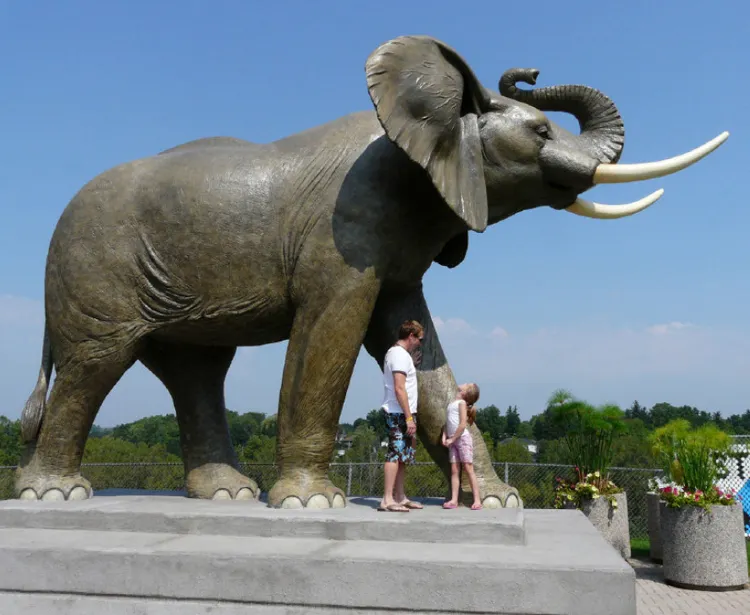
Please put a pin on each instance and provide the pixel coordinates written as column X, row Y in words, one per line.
column 253, row 434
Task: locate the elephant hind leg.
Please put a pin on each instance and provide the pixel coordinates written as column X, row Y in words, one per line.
column 194, row 377
column 51, row 465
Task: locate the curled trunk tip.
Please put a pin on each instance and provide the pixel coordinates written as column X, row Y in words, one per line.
column 602, row 128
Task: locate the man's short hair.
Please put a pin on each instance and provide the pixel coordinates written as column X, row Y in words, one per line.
column 409, row 327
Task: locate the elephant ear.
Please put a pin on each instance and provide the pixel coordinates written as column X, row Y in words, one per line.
column 427, row 100
column 454, row 252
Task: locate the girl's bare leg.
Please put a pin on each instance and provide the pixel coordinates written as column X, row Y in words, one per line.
column 469, row 468
column 455, row 481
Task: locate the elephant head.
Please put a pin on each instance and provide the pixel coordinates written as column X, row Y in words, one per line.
column 491, row 155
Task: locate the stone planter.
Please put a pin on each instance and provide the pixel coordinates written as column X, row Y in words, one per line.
column 612, row 524
column 703, row 550
column 654, row 527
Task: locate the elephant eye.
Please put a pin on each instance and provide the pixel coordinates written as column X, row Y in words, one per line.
column 543, row 131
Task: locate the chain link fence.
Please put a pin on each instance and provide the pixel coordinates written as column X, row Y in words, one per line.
column 535, row 482
column 738, row 475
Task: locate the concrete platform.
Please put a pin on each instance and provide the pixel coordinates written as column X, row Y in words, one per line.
column 360, row 520
column 147, row 555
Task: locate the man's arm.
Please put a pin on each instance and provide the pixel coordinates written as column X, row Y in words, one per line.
column 399, row 385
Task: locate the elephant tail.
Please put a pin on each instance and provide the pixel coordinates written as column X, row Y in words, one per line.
column 33, row 411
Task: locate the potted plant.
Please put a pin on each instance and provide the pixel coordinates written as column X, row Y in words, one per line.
column 702, row 527
column 589, row 434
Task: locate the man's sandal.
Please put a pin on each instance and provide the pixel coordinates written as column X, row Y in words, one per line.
column 393, row 508
column 412, row 505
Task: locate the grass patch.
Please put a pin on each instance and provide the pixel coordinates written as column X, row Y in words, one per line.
column 640, row 548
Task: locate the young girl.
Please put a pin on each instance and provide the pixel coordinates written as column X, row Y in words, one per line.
column 456, row 437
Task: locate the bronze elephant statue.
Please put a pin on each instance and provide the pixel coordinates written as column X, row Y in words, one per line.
column 321, row 238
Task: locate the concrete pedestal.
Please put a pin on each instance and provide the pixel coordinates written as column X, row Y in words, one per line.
column 612, row 523
column 123, row 555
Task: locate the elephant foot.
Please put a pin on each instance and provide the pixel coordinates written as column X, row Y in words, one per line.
column 494, row 494
column 303, row 490
column 52, row 488
column 218, row 481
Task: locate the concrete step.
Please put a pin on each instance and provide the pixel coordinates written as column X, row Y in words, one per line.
column 563, row 567
column 180, row 515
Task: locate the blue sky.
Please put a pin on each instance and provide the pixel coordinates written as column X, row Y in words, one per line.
column 652, row 307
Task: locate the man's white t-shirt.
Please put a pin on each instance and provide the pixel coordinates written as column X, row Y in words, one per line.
column 397, row 359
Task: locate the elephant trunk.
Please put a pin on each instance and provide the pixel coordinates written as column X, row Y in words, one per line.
column 602, row 128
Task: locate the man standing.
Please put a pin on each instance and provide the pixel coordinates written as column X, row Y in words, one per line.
column 400, row 408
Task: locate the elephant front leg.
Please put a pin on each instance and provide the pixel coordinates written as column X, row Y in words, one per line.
column 437, row 388
column 323, row 348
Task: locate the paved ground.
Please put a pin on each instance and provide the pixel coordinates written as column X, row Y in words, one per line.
column 657, row 598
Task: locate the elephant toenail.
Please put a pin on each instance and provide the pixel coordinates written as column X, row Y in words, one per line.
column 292, row 502
column 78, row 493
column 511, row 501
column 318, row 501
column 53, row 495
column 492, row 502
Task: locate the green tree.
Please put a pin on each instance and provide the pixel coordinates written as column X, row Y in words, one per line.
column 638, row 412
column 376, row 420
column 513, row 451
column 269, row 427
column 10, row 442
column 553, row 451
column 114, row 450
column 365, row 445
column 242, row 426
column 99, row 432
column 259, row 449
column 739, row 423
column 512, row 421
column 525, row 430
column 488, row 442
column 632, row 449
column 490, row 421
column 151, row 430
column 346, row 428
column 168, row 475
column 544, row 427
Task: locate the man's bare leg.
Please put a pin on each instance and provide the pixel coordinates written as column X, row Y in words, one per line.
column 399, row 493
column 391, row 472
column 398, row 487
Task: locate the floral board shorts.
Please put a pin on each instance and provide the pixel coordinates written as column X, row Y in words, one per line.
column 400, row 446
column 462, row 450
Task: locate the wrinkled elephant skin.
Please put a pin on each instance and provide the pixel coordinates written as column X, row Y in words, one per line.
column 321, row 239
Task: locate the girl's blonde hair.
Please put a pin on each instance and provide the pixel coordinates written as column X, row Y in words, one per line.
column 472, row 396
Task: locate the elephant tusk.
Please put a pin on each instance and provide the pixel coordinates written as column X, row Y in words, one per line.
column 621, row 173
column 590, row 209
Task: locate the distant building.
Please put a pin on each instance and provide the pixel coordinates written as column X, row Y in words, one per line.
column 343, row 443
